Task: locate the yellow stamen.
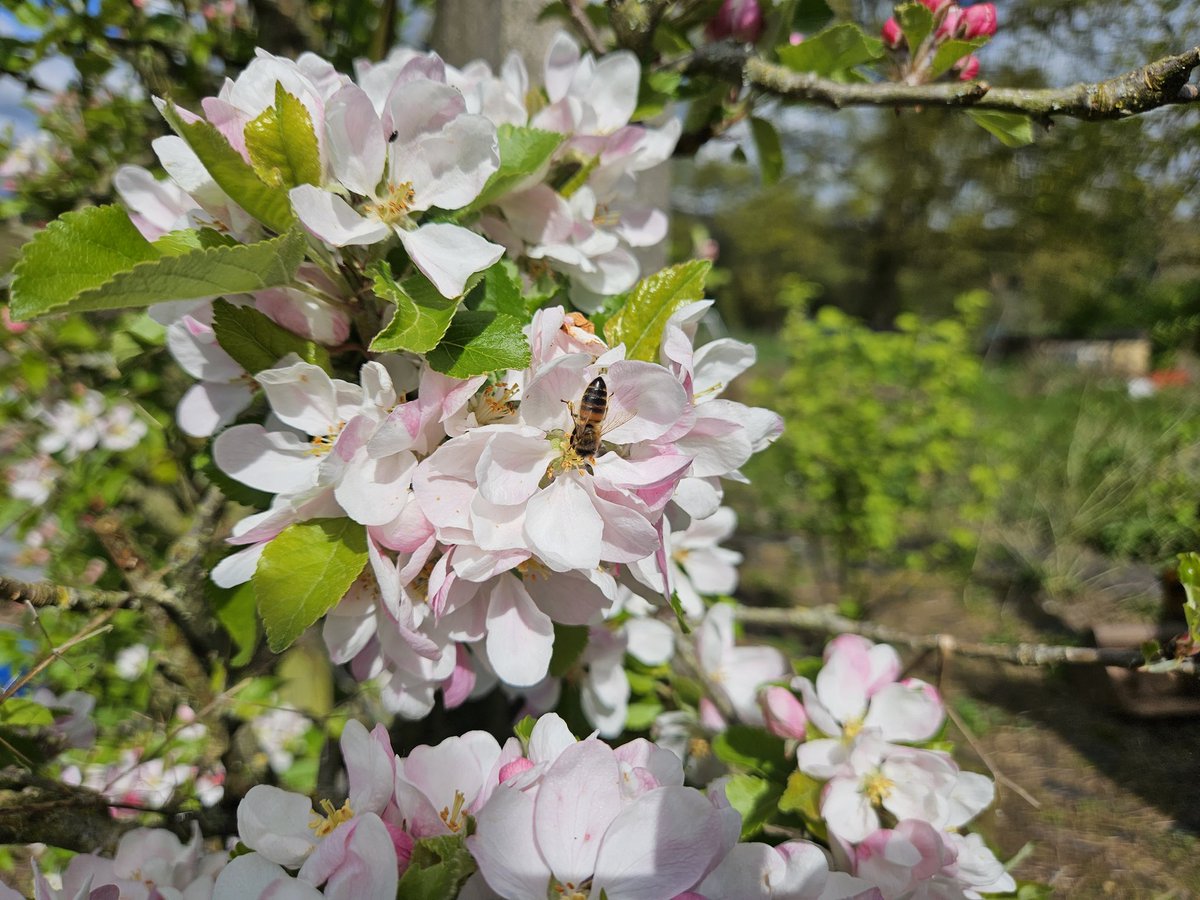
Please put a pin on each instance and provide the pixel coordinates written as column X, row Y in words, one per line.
column 454, row 819
column 877, row 787
column 323, row 443
column 851, row 729
column 322, row 825
column 395, row 206
column 699, row 748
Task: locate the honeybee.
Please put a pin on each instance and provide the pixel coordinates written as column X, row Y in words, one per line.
column 590, row 424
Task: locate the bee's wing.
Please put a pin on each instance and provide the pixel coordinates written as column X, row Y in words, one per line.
column 616, row 420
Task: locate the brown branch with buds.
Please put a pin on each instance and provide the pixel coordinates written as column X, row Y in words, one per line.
column 1163, row 82
column 825, row 620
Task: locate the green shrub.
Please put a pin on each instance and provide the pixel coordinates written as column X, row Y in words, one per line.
column 880, row 426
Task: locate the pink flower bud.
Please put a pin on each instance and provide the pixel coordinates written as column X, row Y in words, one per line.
column 514, row 768
column 968, row 68
column 979, row 20
column 741, row 20
column 796, row 38
column 9, row 325
column 892, row 35
column 783, row 713
column 950, row 24
column 936, row 6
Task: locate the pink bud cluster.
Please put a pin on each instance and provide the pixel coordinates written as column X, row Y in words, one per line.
column 738, row 20
column 951, row 22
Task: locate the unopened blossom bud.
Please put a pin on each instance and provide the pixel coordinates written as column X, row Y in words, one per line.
column 950, row 24
column 783, row 713
column 969, row 68
column 979, row 20
column 796, row 38
column 936, row 6
column 892, row 35
column 741, row 20
column 515, row 768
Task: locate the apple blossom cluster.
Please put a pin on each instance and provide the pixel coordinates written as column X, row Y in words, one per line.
column 69, row 428
column 548, row 816
column 485, row 527
column 951, row 22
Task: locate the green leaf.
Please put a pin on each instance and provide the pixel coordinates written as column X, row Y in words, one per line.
column 234, row 609
column 802, row 796
column 641, row 715
column 236, row 177
column 770, row 150
column 1189, row 577
column 755, row 798
column 95, row 259
column 257, row 343
column 951, row 52
column 569, row 643
column 833, row 51
column 680, row 617
column 639, row 323
column 499, row 291
column 523, row 151
column 18, row 711
column 480, row 341
column 1013, row 129
column 752, row 748
column 810, row 15
column 916, row 21
column 422, row 314
column 524, row 729
column 304, row 572
column 438, row 869
column 282, row 144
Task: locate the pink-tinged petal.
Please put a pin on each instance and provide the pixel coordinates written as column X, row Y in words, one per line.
column 303, row 396
column 354, row 137
column 842, row 682
column 783, row 714
column 332, row 219
column 642, row 227
column 253, row 875
column 715, row 637
column 663, row 766
column 627, row 536
column 456, row 691
column 922, row 784
column 847, row 812
column 503, row 846
column 370, row 870
column 277, row 462
column 449, row 169
column 416, row 107
column 559, row 382
column 712, row 571
column 906, row 711
column 370, row 769
column 347, row 629
column 480, row 564
column 650, row 641
column 806, row 870
column 572, row 598
column 157, row 207
column 885, row 667
column 578, row 799
column 744, row 873
column 398, row 431
column 511, row 467
column 549, row 738
column 717, row 363
column 698, row 497
column 375, row 491
column 613, row 90
column 615, row 473
column 305, row 314
column 972, row 794
column 237, row 568
column 563, row 527
column 520, row 637
column 659, row 845
column 275, row 823
column 817, row 713
column 747, row 670
column 448, row 254
column 230, row 121
column 717, row 442
column 206, row 407
column 646, row 392
column 562, row 59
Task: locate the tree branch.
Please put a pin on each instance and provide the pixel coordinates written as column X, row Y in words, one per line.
column 45, row 593
column 36, row 809
column 825, row 620
column 1163, row 82
column 584, row 26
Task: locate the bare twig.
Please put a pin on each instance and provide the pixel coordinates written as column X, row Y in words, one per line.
column 45, row 593
column 33, row 808
column 1163, row 82
column 825, row 620
column 96, row 626
column 584, row 26
column 999, row 776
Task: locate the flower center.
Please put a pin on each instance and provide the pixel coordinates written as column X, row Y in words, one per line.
column 454, row 818
column 877, row 787
column 323, row 443
column 533, row 570
column 851, row 729
column 322, row 825
column 394, row 207
column 699, row 748
column 495, row 403
column 571, row 891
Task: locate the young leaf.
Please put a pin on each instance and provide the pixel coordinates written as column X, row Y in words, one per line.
column 499, row 291
column 639, row 323
column 1189, row 577
column 438, row 868
column 916, row 21
column 282, row 144
column 770, row 150
column 1012, row 129
column 236, row 177
column 480, row 341
column 95, row 259
column 755, row 798
column 833, row 51
column 422, row 314
column 523, row 151
column 304, row 572
column 257, row 343
column 752, row 749
column 234, row 609
column 802, row 796
column 951, row 52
